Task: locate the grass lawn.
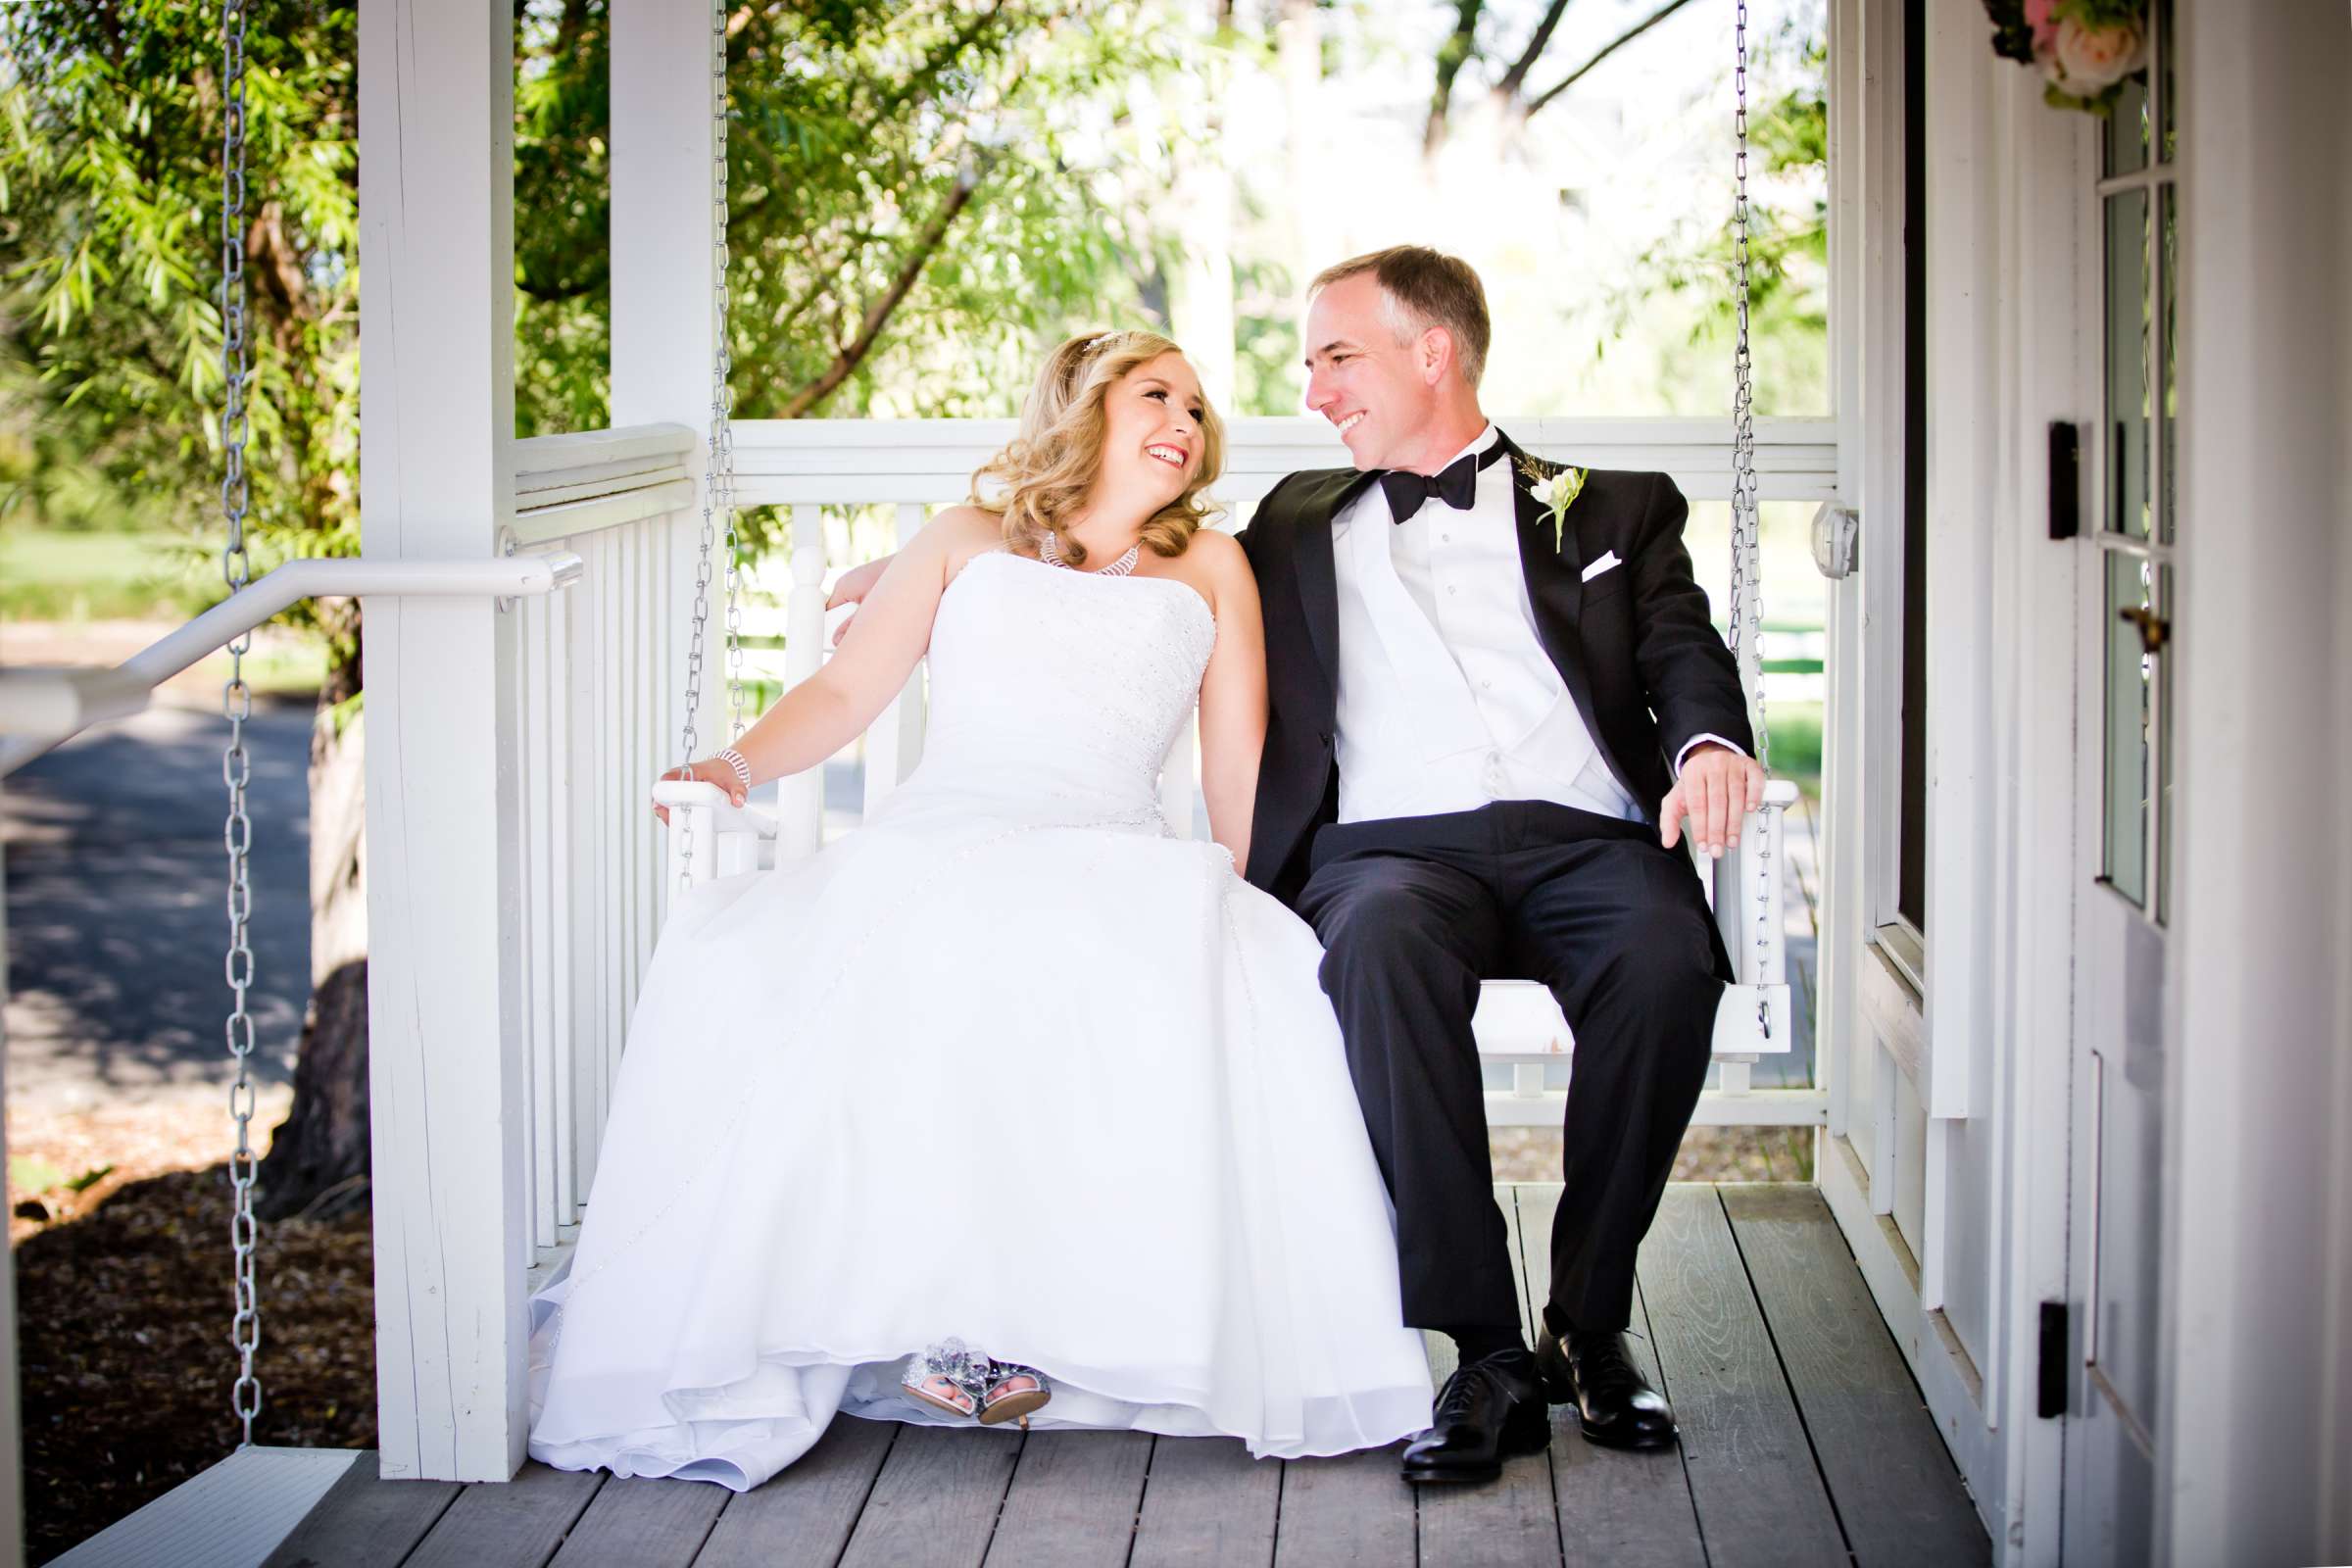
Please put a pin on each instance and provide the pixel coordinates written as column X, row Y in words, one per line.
column 47, row 574
column 1795, row 730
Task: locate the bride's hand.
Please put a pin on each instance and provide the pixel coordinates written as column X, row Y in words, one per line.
column 706, row 771
column 851, row 589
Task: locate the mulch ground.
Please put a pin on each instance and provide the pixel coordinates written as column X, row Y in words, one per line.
column 125, row 1358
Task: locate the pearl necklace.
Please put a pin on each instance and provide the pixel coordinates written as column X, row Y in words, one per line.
column 1049, row 551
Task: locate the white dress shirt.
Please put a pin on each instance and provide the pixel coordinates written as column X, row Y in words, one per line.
column 1447, row 700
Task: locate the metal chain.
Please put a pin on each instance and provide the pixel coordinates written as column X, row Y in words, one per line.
column 718, row 490
column 236, row 703
column 722, row 365
column 1746, row 607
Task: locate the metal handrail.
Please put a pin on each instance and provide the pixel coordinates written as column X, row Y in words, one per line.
column 43, row 708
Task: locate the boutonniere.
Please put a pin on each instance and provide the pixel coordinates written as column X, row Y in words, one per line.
column 1555, row 490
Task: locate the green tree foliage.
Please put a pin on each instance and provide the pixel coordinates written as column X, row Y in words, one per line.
column 1788, row 256
column 919, row 194
column 109, row 322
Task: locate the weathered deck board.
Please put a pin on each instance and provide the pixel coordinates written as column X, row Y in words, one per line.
column 1513, row 1523
column 1898, row 1494
column 1789, row 1392
column 643, row 1523
column 364, row 1521
column 517, row 1525
column 1759, row 1497
column 802, row 1518
column 1616, row 1509
column 937, row 1498
column 1206, row 1503
column 1347, row 1511
column 1073, row 1500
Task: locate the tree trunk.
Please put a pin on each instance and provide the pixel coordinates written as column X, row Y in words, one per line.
column 318, row 1160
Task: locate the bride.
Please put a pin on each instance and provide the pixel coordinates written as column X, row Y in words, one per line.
column 1010, row 1105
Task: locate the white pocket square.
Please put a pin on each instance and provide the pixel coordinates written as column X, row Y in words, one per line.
column 1608, row 561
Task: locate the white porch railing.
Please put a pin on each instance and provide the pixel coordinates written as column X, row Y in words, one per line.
column 599, row 687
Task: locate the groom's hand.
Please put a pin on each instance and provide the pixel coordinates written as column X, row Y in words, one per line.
column 855, row 584
column 1717, row 788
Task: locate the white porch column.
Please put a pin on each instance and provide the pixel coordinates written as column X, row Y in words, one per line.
column 663, row 272
column 445, row 1069
column 2254, row 1439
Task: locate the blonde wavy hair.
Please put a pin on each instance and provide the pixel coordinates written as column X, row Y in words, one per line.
column 1037, row 483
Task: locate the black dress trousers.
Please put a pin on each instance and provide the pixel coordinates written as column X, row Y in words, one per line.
column 1413, row 912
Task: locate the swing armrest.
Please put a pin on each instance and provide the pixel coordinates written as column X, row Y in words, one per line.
column 726, row 815
column 710, row 836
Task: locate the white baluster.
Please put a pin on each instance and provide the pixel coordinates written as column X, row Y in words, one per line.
column 893, row 742
column 645, row 750
column 534, row 778
column 563, row 981
column 801, row 798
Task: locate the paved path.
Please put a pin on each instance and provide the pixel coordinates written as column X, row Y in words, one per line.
column 116, row 909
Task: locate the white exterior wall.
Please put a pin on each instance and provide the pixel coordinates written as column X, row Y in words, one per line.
column 2252, row 1443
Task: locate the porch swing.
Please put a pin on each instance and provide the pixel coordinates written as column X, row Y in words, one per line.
column 1518, row 1022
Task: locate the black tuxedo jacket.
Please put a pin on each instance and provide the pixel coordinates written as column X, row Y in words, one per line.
column 1634, row 647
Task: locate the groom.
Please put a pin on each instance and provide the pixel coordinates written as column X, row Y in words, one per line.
column 1490, row 724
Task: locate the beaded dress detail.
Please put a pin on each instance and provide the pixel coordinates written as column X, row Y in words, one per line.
column 1184, row 1230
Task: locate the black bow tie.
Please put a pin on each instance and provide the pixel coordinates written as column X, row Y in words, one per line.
column 1457, row 486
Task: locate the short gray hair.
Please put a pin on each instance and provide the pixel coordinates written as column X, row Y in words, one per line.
column 1426, row 288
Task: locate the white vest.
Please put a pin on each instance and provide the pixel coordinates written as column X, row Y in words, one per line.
column 1447, row 700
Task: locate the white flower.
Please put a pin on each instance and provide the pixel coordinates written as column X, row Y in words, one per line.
column 1557, row 491
column 2087, row 59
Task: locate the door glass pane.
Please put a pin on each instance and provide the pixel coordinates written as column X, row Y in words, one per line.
column 2168, row 204
column 2125, row 136
column 2168, row 97
column 2127, row 703
column 2167, row 607
column 2126, row 295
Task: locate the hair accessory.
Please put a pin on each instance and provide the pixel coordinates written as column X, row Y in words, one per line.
column 735, row 760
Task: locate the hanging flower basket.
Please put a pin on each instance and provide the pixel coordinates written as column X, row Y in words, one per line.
column 2088, row 49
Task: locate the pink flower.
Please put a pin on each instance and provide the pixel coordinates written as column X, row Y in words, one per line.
column 2086, row 59
column 2037, row 16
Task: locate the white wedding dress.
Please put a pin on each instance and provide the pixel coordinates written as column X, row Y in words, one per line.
column 1010, row 1063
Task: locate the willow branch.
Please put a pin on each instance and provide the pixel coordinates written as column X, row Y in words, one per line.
column 877, row 314
column 1456, row 52
column 1604, row 53
column 1515, row 78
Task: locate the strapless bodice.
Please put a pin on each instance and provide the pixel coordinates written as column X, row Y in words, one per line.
column 1052, row 684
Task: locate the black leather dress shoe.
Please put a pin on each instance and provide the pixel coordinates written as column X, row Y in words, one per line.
column 1489, row 1412
column 1615, row 1407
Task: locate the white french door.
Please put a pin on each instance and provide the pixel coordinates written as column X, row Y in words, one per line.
column 2125, row 768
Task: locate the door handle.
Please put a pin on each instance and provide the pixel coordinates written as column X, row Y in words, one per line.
column 2154, row 630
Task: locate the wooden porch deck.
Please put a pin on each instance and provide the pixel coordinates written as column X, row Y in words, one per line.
column 1804, row 1441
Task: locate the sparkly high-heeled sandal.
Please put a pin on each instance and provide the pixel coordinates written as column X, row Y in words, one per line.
column 1010, row 1392
column 949, row 1378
